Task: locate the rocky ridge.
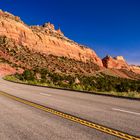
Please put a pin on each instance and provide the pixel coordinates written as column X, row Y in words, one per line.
column 116, row 62
column 44, row 39
column 41, row 42
column 119, row 63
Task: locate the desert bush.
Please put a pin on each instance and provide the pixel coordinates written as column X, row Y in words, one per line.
column 28, row 75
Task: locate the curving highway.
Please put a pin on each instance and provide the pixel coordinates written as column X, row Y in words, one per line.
column 21, row 121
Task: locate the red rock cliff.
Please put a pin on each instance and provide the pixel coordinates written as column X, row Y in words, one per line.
column 116, row 62
column 119, row 63
column 44, row 39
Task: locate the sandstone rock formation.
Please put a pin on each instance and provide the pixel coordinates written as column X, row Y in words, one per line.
column 115, row 63
column 135, row 69
column 32, row 46
column 44, row 39
column 5, row 69
column 119, row 63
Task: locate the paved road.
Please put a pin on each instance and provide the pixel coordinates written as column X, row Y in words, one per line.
column 19, row 121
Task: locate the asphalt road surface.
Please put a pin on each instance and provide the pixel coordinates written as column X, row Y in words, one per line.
column 23, row 122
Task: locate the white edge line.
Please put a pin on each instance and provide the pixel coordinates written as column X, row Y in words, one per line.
column 126, row 111
column 45, row 94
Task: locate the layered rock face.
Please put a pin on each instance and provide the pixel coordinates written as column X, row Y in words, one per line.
column 119, row 63
column 135, row 69
column 116, row 62
column 5, row 69
column 32, row 46
column 44, row 39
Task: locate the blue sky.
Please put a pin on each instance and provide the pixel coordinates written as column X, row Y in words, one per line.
column 107, row 26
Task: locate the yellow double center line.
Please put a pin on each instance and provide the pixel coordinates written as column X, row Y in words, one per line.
column 84, row 122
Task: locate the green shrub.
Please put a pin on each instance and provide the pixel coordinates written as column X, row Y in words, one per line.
column 28, row 75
